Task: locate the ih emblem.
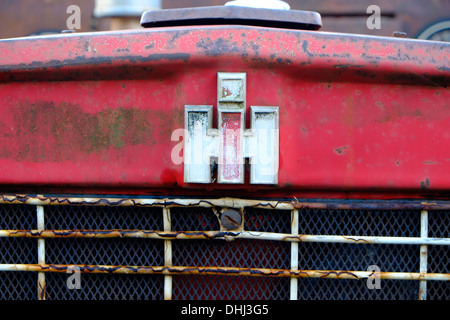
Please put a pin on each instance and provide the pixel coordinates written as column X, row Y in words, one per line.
column 231, row 143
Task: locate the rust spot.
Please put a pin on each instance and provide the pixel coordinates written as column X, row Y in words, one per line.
column 341, row 150
column 425, row 184
column 218, row 46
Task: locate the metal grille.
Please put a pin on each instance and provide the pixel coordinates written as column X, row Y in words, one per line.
column 148, row 248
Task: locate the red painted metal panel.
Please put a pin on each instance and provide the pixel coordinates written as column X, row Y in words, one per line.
column 98, row 109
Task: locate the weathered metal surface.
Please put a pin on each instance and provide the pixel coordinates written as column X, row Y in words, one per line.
column 228, row 271
column 357, row 114
column 227, row 235
column 292, row 19
column 287, row 204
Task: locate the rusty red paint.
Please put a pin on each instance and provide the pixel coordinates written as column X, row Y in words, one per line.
column 357, row 113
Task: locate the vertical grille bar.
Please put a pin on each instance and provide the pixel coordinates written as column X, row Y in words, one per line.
column 294, row 255
column 167, row 254
column 423, row 254
column 41, row 253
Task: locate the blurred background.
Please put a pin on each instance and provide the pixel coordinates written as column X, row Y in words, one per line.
column 426, row 19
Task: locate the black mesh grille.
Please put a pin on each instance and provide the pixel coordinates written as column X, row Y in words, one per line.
column 17, row 217
column 239, row 253
column 360, row 222
column 18, row 250
column 193, row 219
column 439, row 259
column 340, row 256
column 18, row 285
column 348, row 289
column 230, row 288
column 116, row 251
column 92, row 217
column 106, row 287
column 264, row 220
column 438, row 290
column 134, row 252
column 439, row 224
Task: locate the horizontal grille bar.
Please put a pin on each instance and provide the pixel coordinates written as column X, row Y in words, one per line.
column 226, row 235
column 228, row 271
column 288, row 204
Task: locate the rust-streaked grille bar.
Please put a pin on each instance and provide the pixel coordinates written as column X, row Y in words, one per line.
column 423, row 253
column 294, row 255
column 41, row 253
column 167, row 255
column 290, row 204
column 227, row 271
column 228, row 235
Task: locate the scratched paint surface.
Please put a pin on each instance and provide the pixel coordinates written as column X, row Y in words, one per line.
column 98, row 110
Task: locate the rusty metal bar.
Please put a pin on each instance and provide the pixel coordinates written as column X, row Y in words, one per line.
column 228, row 235
column 167, row 255
column 226, row 271
column 294, row 255
column 41, row 253
column 423, row 253
column 290, row 204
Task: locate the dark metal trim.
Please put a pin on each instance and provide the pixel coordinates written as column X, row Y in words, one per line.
column 290, row 19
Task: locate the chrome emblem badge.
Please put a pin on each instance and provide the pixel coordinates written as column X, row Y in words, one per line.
column 231, row 143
